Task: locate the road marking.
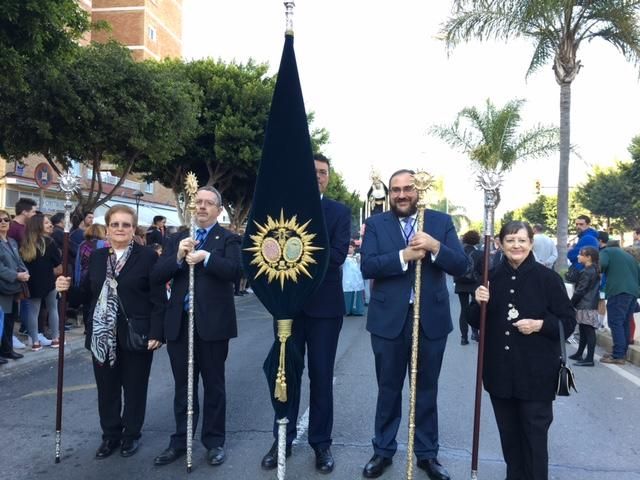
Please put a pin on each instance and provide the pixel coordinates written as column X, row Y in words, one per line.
column 621, row 371
column 53, row 391
column 303, row 423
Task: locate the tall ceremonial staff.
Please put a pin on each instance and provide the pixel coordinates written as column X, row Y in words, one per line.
column 489, row 181
column 191, row 188
column 422, row 181
column 68, row 185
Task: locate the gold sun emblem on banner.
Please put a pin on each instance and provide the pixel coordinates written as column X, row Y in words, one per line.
column 282, row 249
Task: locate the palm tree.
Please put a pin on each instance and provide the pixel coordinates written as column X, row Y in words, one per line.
column 558, row 28
column 491, row 137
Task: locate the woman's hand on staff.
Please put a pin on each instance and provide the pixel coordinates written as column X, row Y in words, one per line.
column 23, row 276
column 482, row 294
column 154, row 344
column 63, row 283
column 527, row 326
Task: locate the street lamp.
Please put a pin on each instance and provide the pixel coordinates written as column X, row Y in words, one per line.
column 138, row 196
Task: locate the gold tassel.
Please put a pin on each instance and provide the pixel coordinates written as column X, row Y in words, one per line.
column 284, row 332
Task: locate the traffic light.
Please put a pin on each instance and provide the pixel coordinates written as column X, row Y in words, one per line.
column 537, row 187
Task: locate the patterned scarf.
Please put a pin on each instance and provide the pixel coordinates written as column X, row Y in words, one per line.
column 105, row 315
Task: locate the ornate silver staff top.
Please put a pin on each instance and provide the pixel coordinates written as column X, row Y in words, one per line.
column 289, row 16
column 489, row 181
column 69, row 184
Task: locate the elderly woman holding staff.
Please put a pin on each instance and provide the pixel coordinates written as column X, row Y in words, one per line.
column 125, row 328
column 526, row 303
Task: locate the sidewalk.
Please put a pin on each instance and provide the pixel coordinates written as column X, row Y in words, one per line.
column 74, row 341
column 603, row 339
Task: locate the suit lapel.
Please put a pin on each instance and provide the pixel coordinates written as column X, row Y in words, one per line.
column 214, row 234
column 392, row 227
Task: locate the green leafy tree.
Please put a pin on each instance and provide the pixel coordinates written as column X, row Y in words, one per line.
column 492, row 138
column 536, row 211
column 102, row 107
column 557, row 28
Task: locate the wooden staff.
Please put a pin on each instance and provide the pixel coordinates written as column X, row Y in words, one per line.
column 422, row 181
column 489, row 181
column 68, row 184
column 191, row 188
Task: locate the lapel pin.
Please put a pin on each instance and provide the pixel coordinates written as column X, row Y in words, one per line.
column 217, row 237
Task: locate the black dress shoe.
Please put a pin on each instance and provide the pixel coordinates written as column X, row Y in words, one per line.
column 170, row 455
column 270, row 460
column 324, row 460
column 376, row 466
column 129, row 447
column 216, row 456
column 576, row 356
column 584, row 363
column 12, row 355
column 106, row 448
column 434, row 470
column 464, row 341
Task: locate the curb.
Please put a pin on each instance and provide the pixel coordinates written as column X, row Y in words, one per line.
column 603, row 339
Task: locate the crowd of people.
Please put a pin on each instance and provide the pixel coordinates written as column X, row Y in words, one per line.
column 132, row 286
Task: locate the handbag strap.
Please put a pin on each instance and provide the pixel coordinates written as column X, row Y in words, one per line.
column 563, row 348
column 124, row 312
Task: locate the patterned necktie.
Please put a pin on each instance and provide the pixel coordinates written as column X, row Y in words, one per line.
column 408, row 229
column 201, row 234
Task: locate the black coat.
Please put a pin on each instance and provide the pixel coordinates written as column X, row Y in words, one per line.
column 517, row 365
column 463, row 284
column 586, row 293
column 215, row 313
column 41, row 277
column 143, row 301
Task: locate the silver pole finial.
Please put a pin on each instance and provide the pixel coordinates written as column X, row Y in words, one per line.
column 489, row 181
column 289, row 16
column 68, row 185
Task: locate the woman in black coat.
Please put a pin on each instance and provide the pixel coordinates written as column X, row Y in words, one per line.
column 526, row 303
column 119, row 289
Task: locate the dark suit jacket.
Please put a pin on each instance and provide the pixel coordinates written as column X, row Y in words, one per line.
column 143, row 301
column 154, row 235
column 215, row 313
column 327, row 301
column 391, row 290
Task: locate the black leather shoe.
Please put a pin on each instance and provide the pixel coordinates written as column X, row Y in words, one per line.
column 434, row 470
column 106, row 448
column 324, row 460
column 270, row 460
column 464, row 341
column 12, row 355
column 129, row 447
column 170, row 455
column 216, row 456
column 583, row 363
column 376, row 466
column 576, row 356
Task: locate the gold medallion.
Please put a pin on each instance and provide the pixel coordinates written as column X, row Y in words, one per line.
column 283, row 249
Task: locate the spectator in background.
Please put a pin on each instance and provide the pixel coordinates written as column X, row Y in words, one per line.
column 636, row 237
column 94, row 238
column 544, row 248
column 585, row 300
column 634, row 251
column 140, row 236
column 57, row 220
column 42, row 259
column 467, row 283
column 352, row 283
column 157, row 232
column 77, row 234
column 12, row 272
column 587, row 237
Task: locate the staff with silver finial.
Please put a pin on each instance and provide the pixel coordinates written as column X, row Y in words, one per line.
column 422, row 181
column 489, row 181
column 191, row 188
column 68, row 185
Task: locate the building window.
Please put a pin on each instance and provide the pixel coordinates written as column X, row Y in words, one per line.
column 148, row 188
column 153, row 35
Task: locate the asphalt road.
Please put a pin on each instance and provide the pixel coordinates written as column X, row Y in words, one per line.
column 594, row 434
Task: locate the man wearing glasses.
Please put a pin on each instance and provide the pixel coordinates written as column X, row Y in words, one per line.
column 390, row 249
column 587, row 237
column 215, row 252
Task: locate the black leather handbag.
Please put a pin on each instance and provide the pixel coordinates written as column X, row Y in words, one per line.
column 566, row 380
column 128, row 338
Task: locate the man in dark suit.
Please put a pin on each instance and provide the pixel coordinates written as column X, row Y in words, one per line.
column 216, row 255
column 156, row 232
column 318, row 328
column 390, row 249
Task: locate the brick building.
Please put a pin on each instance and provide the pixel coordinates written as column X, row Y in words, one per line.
column 151, row 29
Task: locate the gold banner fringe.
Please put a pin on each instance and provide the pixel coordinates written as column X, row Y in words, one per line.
column 284, row 332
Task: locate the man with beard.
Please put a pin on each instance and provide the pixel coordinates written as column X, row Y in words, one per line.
column 390, row 249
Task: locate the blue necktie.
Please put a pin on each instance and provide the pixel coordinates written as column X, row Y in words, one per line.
column 408, row 229
column 201, row 234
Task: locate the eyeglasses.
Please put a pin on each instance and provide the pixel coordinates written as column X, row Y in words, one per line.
column 206, row 203
column 5, row 220
column 124, row 225
column 407, row 189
